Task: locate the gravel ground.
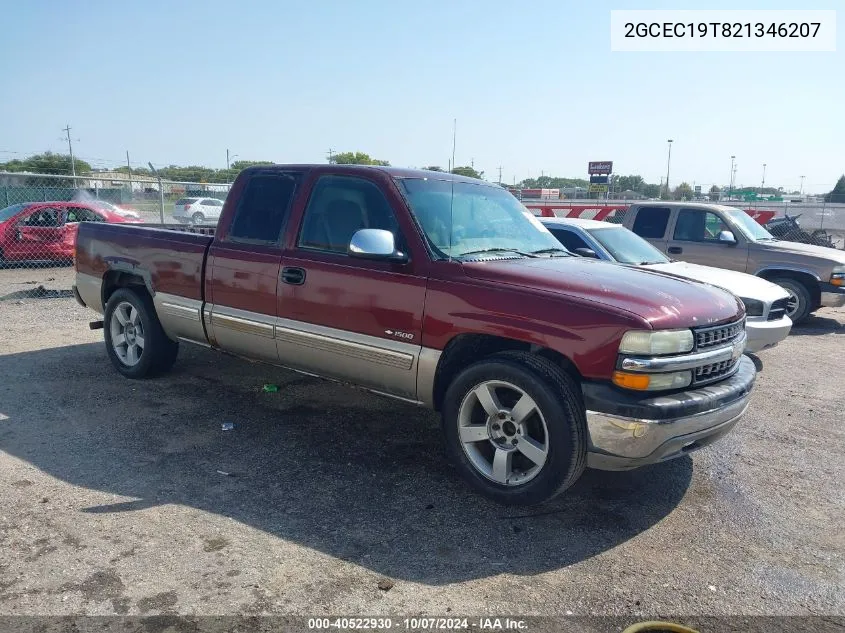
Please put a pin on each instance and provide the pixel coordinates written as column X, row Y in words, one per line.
column 127, row 497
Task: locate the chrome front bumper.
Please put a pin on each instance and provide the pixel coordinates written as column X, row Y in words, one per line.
column 832, row 299
column 634, row 431
column 762, row 334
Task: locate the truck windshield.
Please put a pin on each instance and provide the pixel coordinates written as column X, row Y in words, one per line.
column 627, row 247
column 750, row 228
column 482, row 218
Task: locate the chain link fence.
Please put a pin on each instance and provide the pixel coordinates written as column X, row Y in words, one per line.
column 40, row 216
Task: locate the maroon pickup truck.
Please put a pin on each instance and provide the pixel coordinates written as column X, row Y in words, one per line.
column 442, row 291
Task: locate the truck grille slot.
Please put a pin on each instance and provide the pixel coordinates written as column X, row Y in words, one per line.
column 778, row 309
column 708, row 337
column 715, row 371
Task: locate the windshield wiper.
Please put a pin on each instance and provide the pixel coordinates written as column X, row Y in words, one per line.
column 554, row 249
column 496, row 250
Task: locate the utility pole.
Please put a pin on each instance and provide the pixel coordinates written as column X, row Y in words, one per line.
column 129, row 167
column 331, row 154
column 66, row 130
column 731, row 180
column 160, row 192
column 227, row 161
column 763, row 183
column 500, row 174
column 801, row 192
column 668, row 163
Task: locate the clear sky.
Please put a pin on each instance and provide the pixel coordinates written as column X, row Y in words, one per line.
column 533, row 85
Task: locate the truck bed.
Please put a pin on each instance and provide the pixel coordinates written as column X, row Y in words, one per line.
column 170, row 258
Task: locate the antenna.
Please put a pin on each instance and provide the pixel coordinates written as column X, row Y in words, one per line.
column 452, row 197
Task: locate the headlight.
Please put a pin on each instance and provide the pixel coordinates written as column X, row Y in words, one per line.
column 651, row 342
column 652, row 382
column 837, row 277
column 753, row 307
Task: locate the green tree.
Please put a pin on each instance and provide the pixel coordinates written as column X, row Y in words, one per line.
column 837, row 194
column 468, row 171
column 714, row 192
column 683, row 191
column 434, row 168
column 49, row 163
column 240, row 165
column 628, row 183
column 552, row 182
column 651, row 191
column 355, row 158
column 140, row 171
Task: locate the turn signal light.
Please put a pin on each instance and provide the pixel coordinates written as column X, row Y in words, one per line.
column 631, row 381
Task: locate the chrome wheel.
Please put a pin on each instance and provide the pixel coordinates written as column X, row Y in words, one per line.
column 127, row 334
column 503, row 432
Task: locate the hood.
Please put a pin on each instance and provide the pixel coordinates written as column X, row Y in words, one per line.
column 832, row 255
column 740, row 284
column 663, row 300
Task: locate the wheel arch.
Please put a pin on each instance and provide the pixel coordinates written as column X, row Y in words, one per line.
column 465, row 349
column 117, row 278
column 809, row 280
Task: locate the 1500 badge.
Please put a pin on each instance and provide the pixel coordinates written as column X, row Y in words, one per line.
column 403, row 335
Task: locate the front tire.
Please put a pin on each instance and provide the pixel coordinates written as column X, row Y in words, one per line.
column 135, row 341
column 515, row 428
column 197, row 218
column 799, row 305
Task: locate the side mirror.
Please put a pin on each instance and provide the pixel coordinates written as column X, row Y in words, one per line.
column 727, row 237
column 375, row 244
column 586, row 252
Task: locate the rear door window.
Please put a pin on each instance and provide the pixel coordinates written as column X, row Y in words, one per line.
column 264, row 207
column 651, row 222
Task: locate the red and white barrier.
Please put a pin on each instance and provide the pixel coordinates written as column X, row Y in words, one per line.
column 546, row 209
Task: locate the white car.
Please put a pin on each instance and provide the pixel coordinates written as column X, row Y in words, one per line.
column 765, row 303
column 197, row 210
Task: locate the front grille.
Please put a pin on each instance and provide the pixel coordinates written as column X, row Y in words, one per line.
column 778, row 309
column 718, row 335
column 715, row 371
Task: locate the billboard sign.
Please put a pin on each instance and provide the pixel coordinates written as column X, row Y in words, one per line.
column 600, row 167
column 598, row 188
column 598, row 180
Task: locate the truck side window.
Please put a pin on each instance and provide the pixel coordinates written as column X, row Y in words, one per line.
column 569, row 239
column 264, row 207
column 340, row 206
column 651, row 222
column 694, row 225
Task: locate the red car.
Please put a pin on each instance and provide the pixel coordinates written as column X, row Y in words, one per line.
column 46, row 231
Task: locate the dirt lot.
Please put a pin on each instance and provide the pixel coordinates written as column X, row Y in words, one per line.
column 128, row 497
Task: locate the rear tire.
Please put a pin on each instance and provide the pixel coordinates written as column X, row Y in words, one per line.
column 135, row 341
column 525, row 444
column 800, row 302
column 197, row 218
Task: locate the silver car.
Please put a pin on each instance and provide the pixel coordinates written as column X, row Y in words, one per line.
column 765, row 303
column 197, row 210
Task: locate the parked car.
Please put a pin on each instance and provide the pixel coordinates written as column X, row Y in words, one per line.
column 441, row 291
column 725, row 237
column 197, row 210
column 46, row 231
column 765, row 303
